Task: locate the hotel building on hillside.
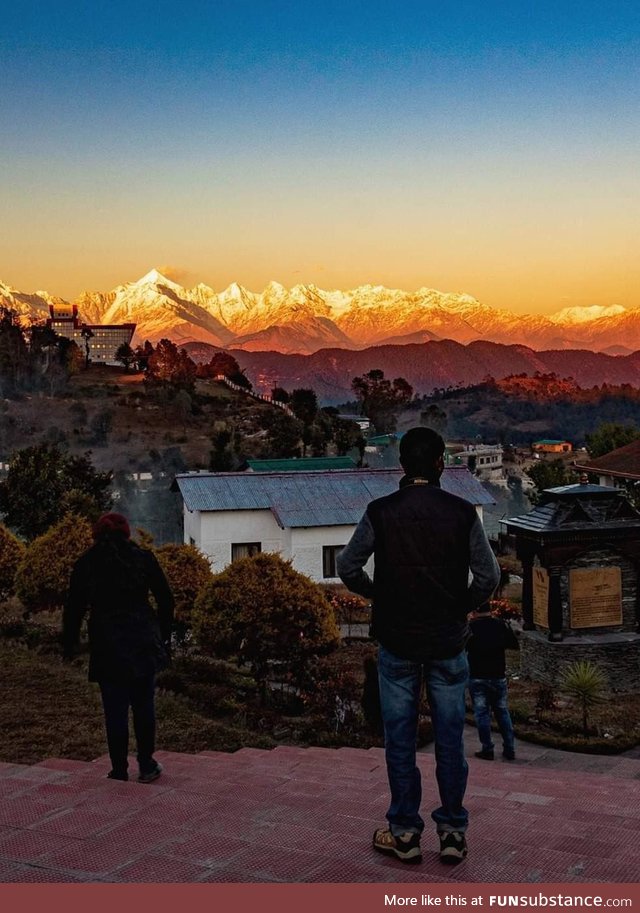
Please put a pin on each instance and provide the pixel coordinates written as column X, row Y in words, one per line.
column 103, row 340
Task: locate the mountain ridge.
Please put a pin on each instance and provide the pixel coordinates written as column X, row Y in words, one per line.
column 305, row 319
column 426, row 366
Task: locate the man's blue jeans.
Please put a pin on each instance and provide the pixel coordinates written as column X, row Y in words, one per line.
column 400, row 687
column 490, row 694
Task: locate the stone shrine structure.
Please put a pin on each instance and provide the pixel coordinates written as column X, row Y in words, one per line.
column 580, row 553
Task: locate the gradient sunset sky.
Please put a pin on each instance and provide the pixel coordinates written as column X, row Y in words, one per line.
column 485, row 147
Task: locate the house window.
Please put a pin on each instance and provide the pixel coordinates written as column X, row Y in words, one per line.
column 245, row 550
column 329, row 556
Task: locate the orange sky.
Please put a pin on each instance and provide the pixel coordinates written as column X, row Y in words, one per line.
column 490, row 150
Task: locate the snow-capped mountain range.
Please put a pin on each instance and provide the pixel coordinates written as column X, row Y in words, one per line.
column 304, row 319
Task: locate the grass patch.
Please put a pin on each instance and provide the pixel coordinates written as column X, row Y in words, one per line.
column 49, row 709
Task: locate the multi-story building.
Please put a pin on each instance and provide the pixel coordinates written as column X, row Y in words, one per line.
column 101, row 340
column 483, row 459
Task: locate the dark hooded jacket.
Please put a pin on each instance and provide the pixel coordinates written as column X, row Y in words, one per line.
column 127, row 637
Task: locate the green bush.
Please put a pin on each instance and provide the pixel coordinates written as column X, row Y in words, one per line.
column 11, row 552
column 43, row 575
column 187, row 571
column 585, row 683
column 261, row 610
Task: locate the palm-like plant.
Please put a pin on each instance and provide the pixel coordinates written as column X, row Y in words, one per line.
column 585, row 682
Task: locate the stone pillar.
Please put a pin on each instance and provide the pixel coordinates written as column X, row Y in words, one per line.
column 555, row 604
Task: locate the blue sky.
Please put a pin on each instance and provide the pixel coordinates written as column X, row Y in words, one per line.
column 484, row 147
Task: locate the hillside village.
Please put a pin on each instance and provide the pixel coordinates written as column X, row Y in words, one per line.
column 145, row 433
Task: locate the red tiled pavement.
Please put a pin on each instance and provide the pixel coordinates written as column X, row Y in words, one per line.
column 307, row 815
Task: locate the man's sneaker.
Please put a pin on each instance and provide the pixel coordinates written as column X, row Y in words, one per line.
column 405, row 847
column 509, row 754
column 118, row 775
column 453, row 847
column 148, row 776
column 486, row 754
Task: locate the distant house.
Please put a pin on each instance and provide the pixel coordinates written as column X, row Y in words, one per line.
column 101, row 340
column 622, row 464
column 551, row 446
column 305, row 516
column 483, row 459
column 384, row 446
column 361, row 420
column 302, row 464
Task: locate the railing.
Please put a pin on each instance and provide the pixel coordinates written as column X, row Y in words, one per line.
column 261, row 397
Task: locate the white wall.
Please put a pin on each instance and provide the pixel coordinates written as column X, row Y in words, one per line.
column 306, row 549
column 191, row 523
column 220, row 529
column 215, row 531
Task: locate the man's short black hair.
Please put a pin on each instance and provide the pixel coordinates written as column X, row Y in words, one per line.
column 421, row 450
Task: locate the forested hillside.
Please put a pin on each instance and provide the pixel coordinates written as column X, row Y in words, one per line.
column 521, row 408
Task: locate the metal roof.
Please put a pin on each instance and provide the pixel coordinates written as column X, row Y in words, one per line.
column 577, row 507
column 549, row 440
column 299, row 499
column 302, row 465
column 581, row 489
column 382, row 440
column 623, row 462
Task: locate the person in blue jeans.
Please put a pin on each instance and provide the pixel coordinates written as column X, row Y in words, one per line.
column 433, row 565
column 490, row 637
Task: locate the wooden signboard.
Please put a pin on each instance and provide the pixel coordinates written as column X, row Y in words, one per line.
column 595, row 597
column 540, row 597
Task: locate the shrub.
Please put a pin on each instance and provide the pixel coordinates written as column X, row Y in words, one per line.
column 42, row 579
column 187, row 571
column 261, row 610
column 349, row 609
column 11, row 553
column 584, row 682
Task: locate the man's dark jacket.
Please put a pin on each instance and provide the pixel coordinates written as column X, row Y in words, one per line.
column 490, row 637
column 126, row 636
column 424, row 541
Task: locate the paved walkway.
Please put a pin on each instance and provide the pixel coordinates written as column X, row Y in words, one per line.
column 307, row 815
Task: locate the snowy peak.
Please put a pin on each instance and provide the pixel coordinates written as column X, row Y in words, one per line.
column 586, row 314
column 306, row 318
column 154, row 277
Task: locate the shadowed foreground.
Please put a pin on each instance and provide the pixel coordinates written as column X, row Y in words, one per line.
column 307, row 815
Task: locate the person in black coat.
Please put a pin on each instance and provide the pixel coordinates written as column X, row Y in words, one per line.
column 128, row 640
column 490, row 637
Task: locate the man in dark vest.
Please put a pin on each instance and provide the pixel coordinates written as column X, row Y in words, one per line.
column 433, row 565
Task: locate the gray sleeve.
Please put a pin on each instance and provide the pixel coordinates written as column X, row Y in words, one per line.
column 483, row 565
column 354, row 556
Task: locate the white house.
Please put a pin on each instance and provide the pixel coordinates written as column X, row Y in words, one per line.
column 305, row 516
column 485, row 459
